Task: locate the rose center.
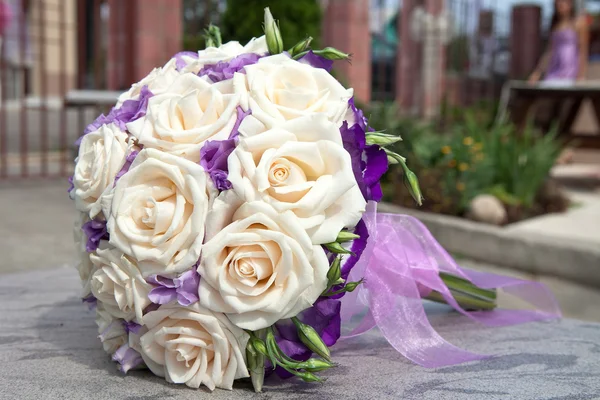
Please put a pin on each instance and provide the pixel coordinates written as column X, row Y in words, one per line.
column 283, row 172
column 245, row 269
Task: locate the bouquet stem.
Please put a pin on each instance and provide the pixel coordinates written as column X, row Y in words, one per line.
column 257, row 365
column 466, row 294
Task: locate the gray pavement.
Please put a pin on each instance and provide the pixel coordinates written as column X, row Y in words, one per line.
column 49, row 350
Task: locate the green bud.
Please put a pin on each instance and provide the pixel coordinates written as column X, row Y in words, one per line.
column 258, row 345
column 345, row 236
column 412, row 184
column 315, row 365
column 311, row 339
column 337, row 248
column 256, row 366
column 308, row 376
column 209, row 42
column 392, row 160
column 382, row 139
column 212, row 36
column 351, row 286
column 335, row 272
column 332, row 54
column 272, row 33
column 300, row 47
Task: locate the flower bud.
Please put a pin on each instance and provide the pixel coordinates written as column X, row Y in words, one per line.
column 335, row 273
column 311, row 339
column 273, row 34
column 392, row 160
column 351, row 286
column 258, row 345
column 332, row 54
column 308, row 377
column 256, row 366
column 345, row 236
column 382, row 139
column 337, row 248
column 315, row 365
column 301, row 46
column 412, row 184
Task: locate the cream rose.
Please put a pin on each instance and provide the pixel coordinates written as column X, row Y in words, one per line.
column 119, row 285
column 111, row 331
column 101, row 157
column 260, row 268
column 158, row 81
column 157, row 212
column 195, row 346
column 192, row 112
column 226, row 52
column 278, row 89
column 301, row 167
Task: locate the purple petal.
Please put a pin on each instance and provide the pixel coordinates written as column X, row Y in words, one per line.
column 95, row 232
column 376, row 166
column 127, row 358
column 131, row 326
column 187, row 287
column 162, row 295
column 316, row 61
column 224, row 70
column 128, row 161
column 159, row 280
column 241, row 114
column 71, row 184
column 180, row 63
column 91, row 301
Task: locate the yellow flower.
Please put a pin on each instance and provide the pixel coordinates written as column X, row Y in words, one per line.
column 477, row 146
column 452, row 163
column 468, row 141
column 462, row 167
column 446, row 150
column 460, row 186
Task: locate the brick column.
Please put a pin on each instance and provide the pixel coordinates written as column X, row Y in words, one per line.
column 143, row 34
column 525, row 40
column 408, row 59
column 433, row 95
column 346, row 27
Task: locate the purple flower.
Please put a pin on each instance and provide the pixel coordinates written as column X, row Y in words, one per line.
column 213, row 158
column 131, row 326
column 71, row 184
column 184, row 289
column 129, row 111
column 323, row 316
column 180, row 62
column 316, row 61
column 90, row 301
column 128, row 161
column 224, row 70
column 369, row 163
column 214, row 154
column 95, row 232
column 127, row 358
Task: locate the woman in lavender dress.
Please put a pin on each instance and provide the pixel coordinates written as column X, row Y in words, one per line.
column 566, row 58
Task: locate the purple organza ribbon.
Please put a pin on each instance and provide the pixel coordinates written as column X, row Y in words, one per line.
column 400, row 265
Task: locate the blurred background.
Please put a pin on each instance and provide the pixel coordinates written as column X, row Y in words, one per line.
column 508, row 156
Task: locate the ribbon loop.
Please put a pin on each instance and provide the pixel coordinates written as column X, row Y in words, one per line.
column 400, row 265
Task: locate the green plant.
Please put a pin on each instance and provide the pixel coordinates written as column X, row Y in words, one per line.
column 242, row 20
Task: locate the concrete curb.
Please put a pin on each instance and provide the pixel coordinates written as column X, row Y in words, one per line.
column 534, row 253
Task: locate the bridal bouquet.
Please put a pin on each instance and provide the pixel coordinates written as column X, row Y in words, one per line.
column 227, row 223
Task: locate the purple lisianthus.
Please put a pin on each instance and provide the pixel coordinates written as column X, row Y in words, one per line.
column 323, row 316
column 131, row 326
column 184, row 289
column 95, row 232
column 180, row 62
column 127, row 358
column 369, row 162
column 129, row 111
column 224, row 70
column 214, row 154
column 316, row 61
column 128, row 161
column 71, row 184
column 90, row 301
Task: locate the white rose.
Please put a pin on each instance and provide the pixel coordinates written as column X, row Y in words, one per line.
column 195, row 346
column 261, row 268
column 302, row 167
column 157, row 212
column 101, row 157
column 84, row 266
column 278, row 89
column 111, row 331
column 119, row 285
column 191, row 112
column 226, row 52
column 158, row 81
